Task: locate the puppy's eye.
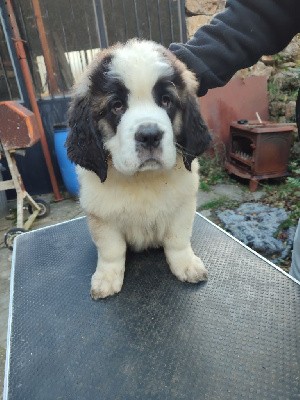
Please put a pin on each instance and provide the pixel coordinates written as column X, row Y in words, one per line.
column 118, row 107
column 166, row 100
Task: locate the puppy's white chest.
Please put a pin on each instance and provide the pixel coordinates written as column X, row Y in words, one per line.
column 143, row 207
column 140, row 236
column 143, row 217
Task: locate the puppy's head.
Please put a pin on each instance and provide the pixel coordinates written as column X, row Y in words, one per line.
column 137, row 104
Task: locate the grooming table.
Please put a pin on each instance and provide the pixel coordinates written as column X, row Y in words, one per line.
column 234, row 337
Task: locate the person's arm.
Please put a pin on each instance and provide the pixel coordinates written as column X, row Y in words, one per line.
column 237, row 37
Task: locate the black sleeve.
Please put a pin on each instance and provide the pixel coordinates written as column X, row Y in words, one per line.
column 237, row 37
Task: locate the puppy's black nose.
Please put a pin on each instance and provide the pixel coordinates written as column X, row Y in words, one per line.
column 148, row 136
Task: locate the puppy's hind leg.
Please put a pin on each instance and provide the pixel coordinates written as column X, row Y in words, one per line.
column 108, row 277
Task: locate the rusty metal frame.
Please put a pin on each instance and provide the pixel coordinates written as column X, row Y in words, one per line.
column 17, row 184
column 4, row 21
column 49, row 62
column 19, row 45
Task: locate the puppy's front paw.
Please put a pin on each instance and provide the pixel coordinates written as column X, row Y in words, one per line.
column 106, row 283
column 192, row 271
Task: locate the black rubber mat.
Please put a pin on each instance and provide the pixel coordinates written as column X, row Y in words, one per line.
column 234, row 337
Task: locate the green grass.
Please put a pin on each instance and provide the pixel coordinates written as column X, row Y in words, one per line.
column 220, row 203
column 287, row 196
column 204, row 186
column 211, row 171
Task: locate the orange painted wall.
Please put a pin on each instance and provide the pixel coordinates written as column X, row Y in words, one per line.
column 239, row 99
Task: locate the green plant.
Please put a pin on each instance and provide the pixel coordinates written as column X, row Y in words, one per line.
column 211, row 170
column 291, row 221
column 273, row 89
column 293, row 182
column 287, row 196
column 294, row 168
column 204, row 186
column 278, row 58
column 219, row 203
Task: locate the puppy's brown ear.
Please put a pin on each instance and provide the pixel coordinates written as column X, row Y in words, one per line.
column 84, row 142
column 194, row 138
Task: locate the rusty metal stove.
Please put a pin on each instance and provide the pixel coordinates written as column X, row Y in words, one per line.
column 259, row 150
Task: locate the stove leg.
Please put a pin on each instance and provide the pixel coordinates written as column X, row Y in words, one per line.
column 253, row 185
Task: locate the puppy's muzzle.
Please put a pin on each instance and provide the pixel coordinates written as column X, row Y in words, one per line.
column 148, row 136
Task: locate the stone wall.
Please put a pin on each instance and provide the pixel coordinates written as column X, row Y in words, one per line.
column 200, row 12
column 282, row 70
column 284, row 82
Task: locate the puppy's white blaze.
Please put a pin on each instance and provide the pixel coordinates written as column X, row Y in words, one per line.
column 140, row 65
column 122, row 146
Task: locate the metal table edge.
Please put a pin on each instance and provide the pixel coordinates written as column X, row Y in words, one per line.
column 249, row 248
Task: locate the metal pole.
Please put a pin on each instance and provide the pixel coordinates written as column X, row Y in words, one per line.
column 4, row 20
column 100, row 23
column 54, row 89
column 19, row 45
column 182, row 20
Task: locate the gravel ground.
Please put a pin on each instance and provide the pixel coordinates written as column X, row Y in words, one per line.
column 256, row 225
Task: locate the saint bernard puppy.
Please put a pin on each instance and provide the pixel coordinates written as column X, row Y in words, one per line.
column 135, row 134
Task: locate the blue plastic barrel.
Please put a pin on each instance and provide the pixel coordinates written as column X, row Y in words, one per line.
column 67, row 168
